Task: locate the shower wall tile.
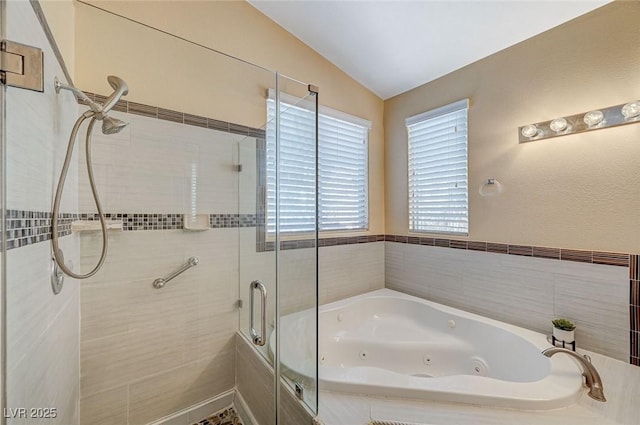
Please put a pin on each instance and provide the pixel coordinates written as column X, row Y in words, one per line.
column 348, row 270
column 171, row 391
column 100, row 407
column 525, row 291
column 42, row 328
column 160, row 166
column 169, row 347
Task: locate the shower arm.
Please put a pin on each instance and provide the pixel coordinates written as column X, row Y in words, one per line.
column 58, row 255
column 96, row 108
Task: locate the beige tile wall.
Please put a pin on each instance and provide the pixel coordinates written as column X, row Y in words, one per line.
column 524, row 291
column 165, row 349
column 257, row 387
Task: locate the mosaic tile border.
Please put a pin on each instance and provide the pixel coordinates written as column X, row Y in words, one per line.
column 226, row 416
column 324, row 242
column 594, row 257
column 30, row 227
column 178, row 117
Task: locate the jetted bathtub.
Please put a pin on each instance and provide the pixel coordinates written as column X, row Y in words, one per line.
column 391, row 344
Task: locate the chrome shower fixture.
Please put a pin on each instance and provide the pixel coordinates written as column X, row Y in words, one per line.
column 110, row 125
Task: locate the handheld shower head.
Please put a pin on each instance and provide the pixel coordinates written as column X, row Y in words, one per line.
column 120, row 89
column 112, row 125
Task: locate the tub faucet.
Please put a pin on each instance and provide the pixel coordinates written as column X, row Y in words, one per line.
column 591, row 375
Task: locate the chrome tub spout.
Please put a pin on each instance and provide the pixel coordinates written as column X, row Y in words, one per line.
column 591, row 375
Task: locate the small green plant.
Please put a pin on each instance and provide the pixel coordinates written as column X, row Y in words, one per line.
column 564, row 324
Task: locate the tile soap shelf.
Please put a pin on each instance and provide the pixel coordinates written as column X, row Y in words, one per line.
column 81, row 226
column 196, row 222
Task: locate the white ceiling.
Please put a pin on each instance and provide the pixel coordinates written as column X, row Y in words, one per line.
column 393, row 46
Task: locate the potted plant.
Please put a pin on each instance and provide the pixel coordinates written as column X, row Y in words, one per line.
column 564, row 330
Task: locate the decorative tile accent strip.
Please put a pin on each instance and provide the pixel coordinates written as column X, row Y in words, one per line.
column 596, row 257
column 29, row 227
column 575, row 255
column 179, row 117
column 498, row 248
column 324, row 242
column 542, row 252
column 521, row 250
column 227, row 416
column 217, row 221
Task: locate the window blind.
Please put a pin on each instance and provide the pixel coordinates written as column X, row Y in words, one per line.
column 342, row 168
column 438, row 192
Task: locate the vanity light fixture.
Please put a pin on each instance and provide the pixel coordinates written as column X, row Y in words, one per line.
column 613, row 116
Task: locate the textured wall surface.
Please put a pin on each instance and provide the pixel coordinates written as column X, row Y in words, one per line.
column 577, row 191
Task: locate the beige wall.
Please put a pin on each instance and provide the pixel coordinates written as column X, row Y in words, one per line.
column 60, row 16
column 577, row 191
column 176, row 75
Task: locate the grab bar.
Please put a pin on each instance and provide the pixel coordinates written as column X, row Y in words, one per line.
column 258, row 339
column 161, row 281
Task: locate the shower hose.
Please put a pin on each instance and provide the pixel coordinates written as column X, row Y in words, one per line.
column 58, row 255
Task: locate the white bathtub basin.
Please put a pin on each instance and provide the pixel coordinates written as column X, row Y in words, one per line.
column 392, row 344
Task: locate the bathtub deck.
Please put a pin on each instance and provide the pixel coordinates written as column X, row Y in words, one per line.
column 621, row 384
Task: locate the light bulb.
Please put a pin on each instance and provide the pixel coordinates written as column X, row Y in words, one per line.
column 529, row 130
column 631, row 109
column 558, row 125
column 593, row 118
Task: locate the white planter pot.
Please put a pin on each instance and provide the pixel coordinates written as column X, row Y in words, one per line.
column 566, row 336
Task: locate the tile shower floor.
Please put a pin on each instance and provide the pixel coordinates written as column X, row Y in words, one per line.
column 227, row 416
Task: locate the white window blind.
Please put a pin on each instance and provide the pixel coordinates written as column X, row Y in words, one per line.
column 438, row 193
column 342, row 168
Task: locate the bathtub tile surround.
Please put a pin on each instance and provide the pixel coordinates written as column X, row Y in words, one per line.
column 521, row 290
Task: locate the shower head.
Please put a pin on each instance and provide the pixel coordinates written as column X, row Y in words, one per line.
column 118, row 85
column 120, row 88
column 112, row 125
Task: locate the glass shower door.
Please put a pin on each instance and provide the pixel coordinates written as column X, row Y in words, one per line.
column 278, row 258
column 296, row 229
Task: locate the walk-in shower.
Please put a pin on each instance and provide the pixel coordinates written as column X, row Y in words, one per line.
column 110, row 125
column 203, row 148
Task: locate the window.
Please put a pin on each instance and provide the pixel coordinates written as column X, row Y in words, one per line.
column 343, row 202
column 438, row 195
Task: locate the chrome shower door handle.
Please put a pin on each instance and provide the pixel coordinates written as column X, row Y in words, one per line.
column 258, row 339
